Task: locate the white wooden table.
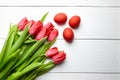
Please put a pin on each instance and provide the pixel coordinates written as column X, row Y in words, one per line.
column 95, row 51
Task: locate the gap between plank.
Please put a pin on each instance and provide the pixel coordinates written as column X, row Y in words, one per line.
column 92, row 39
column 58, row 6
column 89, row 72
column 111, row 39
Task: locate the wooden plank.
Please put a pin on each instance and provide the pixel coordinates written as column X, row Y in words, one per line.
column 60, row 3
column 78, row 76
column 95, row 22
column 88, row 56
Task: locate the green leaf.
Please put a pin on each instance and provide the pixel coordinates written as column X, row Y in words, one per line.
column 17, row 75
column 30, row 52
column 5, row 44
column 9, row 58
column 44, row 17
column 30, row 41
column 20, row 40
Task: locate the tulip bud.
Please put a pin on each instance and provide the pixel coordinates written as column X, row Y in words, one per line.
column 52, row 52
column 31, row 22
column 49, row 27
column 41, row 34
column 45, row 31
column 53, row 34
column 35, row 28
column 22, row 23
column 59, row 58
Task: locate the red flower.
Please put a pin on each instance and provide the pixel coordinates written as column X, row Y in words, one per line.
column 45, row 31
column 49, row 27
column 31, row 22
column 59, row 58
column 52, row 52
column 53, row 34
column 35, row 28
column 22, row 23
column 41, row 34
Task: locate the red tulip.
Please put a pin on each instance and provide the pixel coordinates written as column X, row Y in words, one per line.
column 53, row 34
column 49, row 27
column 52, row 52
column 59, row 58
column 35, row 28
column 30, row 23
column 41, row 34
column 22, row 23
column 45, row 31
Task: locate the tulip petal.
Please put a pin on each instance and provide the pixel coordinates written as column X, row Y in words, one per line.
column 22, row 23
column 49, row 27
column 52, row 52
column 59, row 58
column 53, row 34
column 35, row 28
column 41, row 34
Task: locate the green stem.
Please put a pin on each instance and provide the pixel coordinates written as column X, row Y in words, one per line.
column 16, row 37
column 17, row 75
column 40, row 51
column 21, row 67
column 7, row 70
column 8, row 59
column 39, row 59
column 46, row 69
column 20, row 41
column 30, row 41
column 10, row 41
column 42, row 69
column 31, row 51
column 5, row 44
column 24, row 48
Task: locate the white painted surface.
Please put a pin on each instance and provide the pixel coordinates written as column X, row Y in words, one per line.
column 60, row 2
column 78, row 76
column 89, row 56
column 95, row 52
column 95, row 22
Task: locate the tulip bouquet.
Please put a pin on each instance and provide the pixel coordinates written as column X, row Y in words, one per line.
column 27, row 51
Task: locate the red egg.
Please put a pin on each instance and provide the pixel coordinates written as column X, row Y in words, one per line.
column 68, row 34
column 60, row 18
column 74, row 21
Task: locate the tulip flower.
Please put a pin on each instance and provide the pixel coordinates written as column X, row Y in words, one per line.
column 31, row 22
column 24, row 58
column 41, row 34
column 52, row 52
column 35, row 28
column 22, row 23
column 45, row 31
column 59, row 58
column 49, row 27
column 53, row 34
